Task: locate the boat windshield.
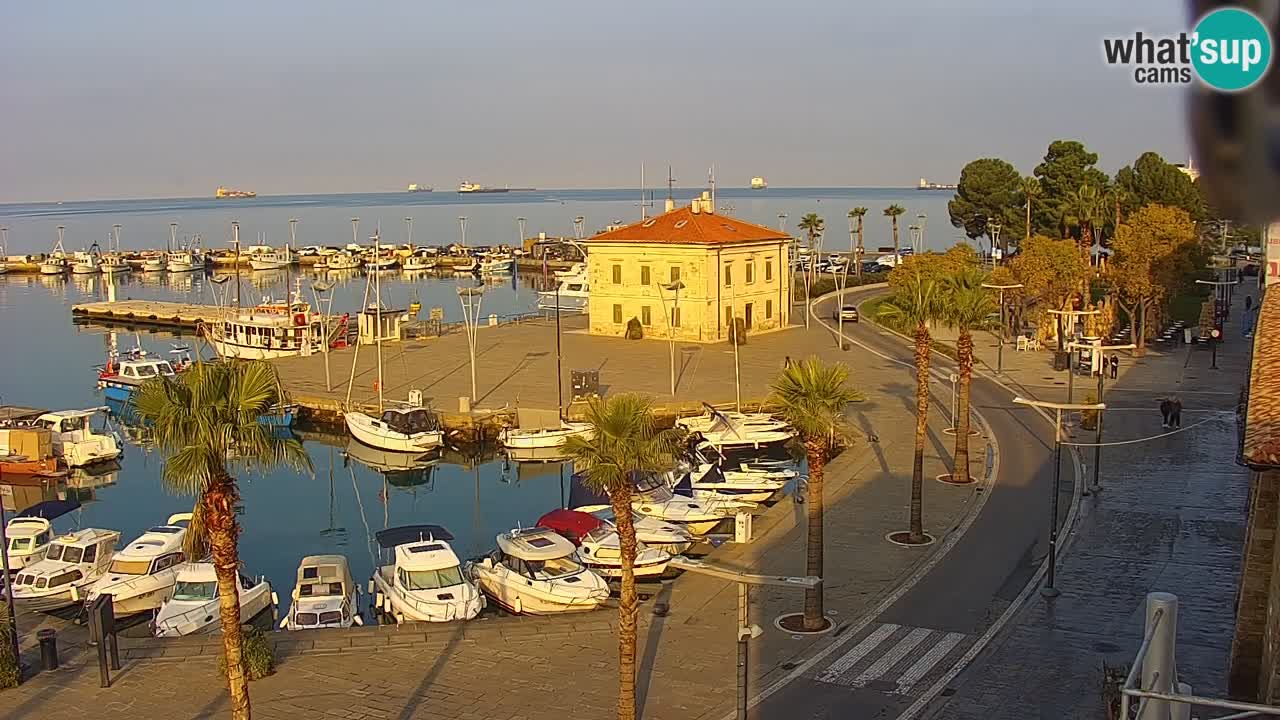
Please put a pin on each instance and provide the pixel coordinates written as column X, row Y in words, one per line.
column 130, row 567
column 553, row 568
column 20, row 544
column 432, row 579
column 65, row 553
column 195, row 590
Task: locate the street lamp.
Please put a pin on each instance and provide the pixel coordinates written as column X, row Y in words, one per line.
column 917, row 237
column 993, row 232
column 577, row 227
column 924, row 219
column 673, row 287
column 1215, row 333
column 782, row 222
column 520, row 225
column 1049, row 590
column 355, row 232
column 408, row 231
column 462, row 224
column 1098, row 348
column 470, row 298
column 318, row 289
column 1003, row 323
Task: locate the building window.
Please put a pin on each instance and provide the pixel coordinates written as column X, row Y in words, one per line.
column 617, row 274
column 644, row 277
column 728, row 315
column 768, row 309
column 768, row 270
column 751, row 271
column 675, row 317
column 645, row 318
column 675, row 273
column 728, row 274
column 617, row 313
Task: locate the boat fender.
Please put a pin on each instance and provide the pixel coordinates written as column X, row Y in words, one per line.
column 399, row 618
column 518, row 606
column 275, row 599
column 387, row 607
column 284, row 623
column 358, row 620
column 371, row 588
column 75, row 594
column 378, row 600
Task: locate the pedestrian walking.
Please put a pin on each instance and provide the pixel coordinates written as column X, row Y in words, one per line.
column 786, row 362
column 1248, row 302
column 1166, row 409
column 1175, row 413
column 1115, row 366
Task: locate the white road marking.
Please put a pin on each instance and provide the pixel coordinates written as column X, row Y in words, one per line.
column 856, row 653
column 893, row 657
column 926, row 662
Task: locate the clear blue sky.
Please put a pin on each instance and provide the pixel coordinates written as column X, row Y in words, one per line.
column 150, row 98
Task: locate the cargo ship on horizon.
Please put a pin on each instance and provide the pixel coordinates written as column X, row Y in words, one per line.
column 226, row 193
column 470, row 187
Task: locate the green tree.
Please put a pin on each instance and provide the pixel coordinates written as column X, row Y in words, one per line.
column 933, row 265
column 1084, row 209
column 205, row 424
column 812, row 395
column 1066, row 166
column 968, row 306
column 1153, row 253
column 1052, row 271
column 988, row 189
column 1029, row 189
column 892, row 212
column 917, row 303
column 626, row 441
column 859, row 213
column 1151, row 180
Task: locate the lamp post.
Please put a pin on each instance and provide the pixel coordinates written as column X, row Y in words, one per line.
column 923, row 220
column 408, row 231
column 1003, row 323
column 1215, row 333
column 1098, row 348
column 318, row 289
column 1062, row 345
column 577, row 227
column 1050, row 590
column 917, row 237
column 782, row 222
column 470, row 299
column 673, row 287
column 736, row 340
column 993, row 232
column 462, row 225
column 520, row 221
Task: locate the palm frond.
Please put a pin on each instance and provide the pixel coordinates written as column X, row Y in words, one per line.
column 917, row 300
column 811, row 395
column 626, row 441
column 967, row 304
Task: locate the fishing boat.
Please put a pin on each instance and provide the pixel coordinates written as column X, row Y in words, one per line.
column 467, row 265
column 75, row 442
column 115, row 264
column 344, row 260
column 415, row 188
column 273, row 260
column 406, row 429
column 155, row 263
column 599, row 547
column 71, row 565
column 758, row 183
column 225, row 193
column 541, row 429
column 118, row 379
column 269, row 330
column 29, row 539
column 495, row 264
column 382, row 261
column 324, row 596
column 535, row 571
column 143, row 573
column 182, row 261
column 419, row 577
column 55, row 263
column 420, row 262
column 86, row 262
column 193, row 608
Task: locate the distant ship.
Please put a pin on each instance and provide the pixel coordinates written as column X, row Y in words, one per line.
column 470, row 187
column 226, row 193
column 758, row 183
column 415, row 187
column 926, row 185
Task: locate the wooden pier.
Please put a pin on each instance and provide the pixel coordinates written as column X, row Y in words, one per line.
column 156, row 313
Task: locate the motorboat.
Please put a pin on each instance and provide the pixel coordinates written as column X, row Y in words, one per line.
column 571, row 295
column 669, row 537
column 154, row 263
column 114, row 264
column 541, row 429
column 27, row 452
column 273, row 260
column 419, row 578
column 29, row 539
column 193, row 608
column 75, row 442
column 467, row 265
column 654, row 497
column 418, row 262
column 181, row 261
column 86, row 262
column 576, row 271
column 118, row 379
column 742, row 487
column 703, row 454
column 324, row 596
column 726, row 432
column 55, row 263
column 535, row 571
column 599, row 546
column 143, row 573
column 495, row 264
column 382, row 262
column 345, row 260
column 709, row 419
column 406, row 430
column 268, row 331
column 71, row 565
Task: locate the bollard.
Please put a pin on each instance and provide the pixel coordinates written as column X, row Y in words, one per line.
column 1159, row 672
column 48, row 649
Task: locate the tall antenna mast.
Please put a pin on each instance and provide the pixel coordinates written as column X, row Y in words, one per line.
column 642, row 216
column 711, row 179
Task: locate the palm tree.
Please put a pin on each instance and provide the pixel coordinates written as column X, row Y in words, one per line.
column 859, row 213
column 1030, row 190
column 812, row 395
column 917, row 302
column 813, row 225
column 626, row 442
column 892, row 212
column 1083, row 208
column 967, row 305
column 204, row 421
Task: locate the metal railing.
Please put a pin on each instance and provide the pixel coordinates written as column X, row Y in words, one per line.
column 1153, row 678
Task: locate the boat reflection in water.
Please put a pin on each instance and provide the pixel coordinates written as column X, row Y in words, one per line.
column 400, row 469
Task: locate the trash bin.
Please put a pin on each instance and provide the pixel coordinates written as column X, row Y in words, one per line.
column 48, row 649
column 1060, row 359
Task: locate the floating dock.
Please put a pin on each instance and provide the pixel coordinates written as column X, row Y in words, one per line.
column 157, row 313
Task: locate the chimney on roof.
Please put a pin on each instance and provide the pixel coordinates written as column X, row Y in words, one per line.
column 695, row 207
column 708, row 205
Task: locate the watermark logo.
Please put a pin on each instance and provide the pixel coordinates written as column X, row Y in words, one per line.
column 1229, row 50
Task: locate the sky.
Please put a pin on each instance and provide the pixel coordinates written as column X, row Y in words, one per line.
column 160, row 99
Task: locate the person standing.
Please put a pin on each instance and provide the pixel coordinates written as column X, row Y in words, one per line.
column 1115, row 366
column 1175, row 413
column 1166, row 408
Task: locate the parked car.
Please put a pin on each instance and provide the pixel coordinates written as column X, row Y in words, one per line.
column 848, row 313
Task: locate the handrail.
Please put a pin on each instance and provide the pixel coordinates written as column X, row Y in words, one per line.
column 1142, row 650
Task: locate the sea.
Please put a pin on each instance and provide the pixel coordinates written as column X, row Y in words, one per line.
column 48, row 361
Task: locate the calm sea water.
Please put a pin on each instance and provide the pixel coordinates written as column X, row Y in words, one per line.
column 49, row 361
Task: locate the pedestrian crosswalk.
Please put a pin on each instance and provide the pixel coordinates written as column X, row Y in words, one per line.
column 895, row 658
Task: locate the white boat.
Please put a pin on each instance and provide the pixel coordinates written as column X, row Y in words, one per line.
column 758, row 183
column 419, row 262
column 599, row 546
column 142, row 574
column 324, row 596
column 704, row 454
column 709, row 418
column 406, row 430
column 541, row 429
column 155, row 263
column 535, row 571
column 29, row 539
column 468, row 265
column 273, row 260
column 668, row 537
column 419, row 577
column 655, row 498
column 184, row 261
column 267, row 331
column 496, row 264
column 344, row 260
column 576, row 271
column 727, row 432
column 382, row 262
column 73, row 563
column 193, row 608
column 74, row 439
column 741, row 486
column 572, row 296
column 86, row 262
column 121, row 377
column 55, row 263
column 113, row 264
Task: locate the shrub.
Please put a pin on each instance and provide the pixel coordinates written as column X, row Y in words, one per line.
column 257, row 654
column 8, row 663
column 634, row 330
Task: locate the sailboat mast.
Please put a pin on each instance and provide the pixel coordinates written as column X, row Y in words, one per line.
column 377, row 279
column 235, row 240
column 288, row 262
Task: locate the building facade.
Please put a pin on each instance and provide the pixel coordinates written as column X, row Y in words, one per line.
column 689, row 272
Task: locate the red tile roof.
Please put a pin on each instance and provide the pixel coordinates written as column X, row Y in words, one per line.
column 1262, row 420
column 682, row 226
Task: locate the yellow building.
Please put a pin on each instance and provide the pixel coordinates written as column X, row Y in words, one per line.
column 692, row 268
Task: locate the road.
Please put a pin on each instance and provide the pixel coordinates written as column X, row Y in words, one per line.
column 881, row 670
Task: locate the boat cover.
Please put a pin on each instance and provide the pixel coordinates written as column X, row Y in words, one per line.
column 410, row 422
column 50, row 509
column 580, row 495
column 406, row 534
column 570, row 523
